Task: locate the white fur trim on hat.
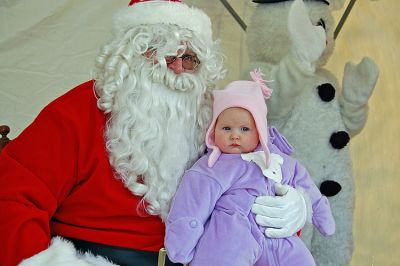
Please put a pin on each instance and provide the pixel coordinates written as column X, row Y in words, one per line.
column 163, row 12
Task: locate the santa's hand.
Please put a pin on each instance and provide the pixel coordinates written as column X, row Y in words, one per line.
column 309, row 41
column 283, row 214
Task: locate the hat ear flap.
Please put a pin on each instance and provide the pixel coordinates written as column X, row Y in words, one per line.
column 210, row 136
column 210, row 143
column 216, row 152
column 266, row 152
column 260, row 119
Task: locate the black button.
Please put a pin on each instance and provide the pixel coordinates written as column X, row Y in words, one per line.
column 330, row 188
column 326, row 92
column 339, row 139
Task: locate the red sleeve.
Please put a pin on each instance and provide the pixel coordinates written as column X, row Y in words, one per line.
column 37, row 172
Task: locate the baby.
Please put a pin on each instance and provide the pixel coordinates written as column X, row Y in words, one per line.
column 210, row 221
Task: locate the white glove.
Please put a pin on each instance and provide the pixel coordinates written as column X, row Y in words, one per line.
column 283, row 214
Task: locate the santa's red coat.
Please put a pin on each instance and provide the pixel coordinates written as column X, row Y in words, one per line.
column 55, row 179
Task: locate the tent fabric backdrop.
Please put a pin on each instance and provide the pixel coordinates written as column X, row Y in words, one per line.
column 46, row 48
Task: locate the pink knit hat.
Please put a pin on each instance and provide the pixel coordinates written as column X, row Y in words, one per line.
column 246, row 94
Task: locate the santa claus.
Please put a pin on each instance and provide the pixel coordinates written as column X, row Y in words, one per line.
column 90, row 181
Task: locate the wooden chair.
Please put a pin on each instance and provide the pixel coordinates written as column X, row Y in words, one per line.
column 162, row 256
column 4, row 130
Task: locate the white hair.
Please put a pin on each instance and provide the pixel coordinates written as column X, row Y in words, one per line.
column 157, row 119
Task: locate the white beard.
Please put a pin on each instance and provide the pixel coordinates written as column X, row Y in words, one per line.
column 155, row 133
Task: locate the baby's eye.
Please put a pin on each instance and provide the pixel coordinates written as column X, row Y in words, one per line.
column 226, row 128
column 245, row 129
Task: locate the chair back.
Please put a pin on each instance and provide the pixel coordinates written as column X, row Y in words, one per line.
column 4, row 130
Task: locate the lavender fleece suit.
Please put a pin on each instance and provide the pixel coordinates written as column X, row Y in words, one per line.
column 211, row 223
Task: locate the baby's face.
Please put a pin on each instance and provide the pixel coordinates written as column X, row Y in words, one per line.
column 235, row 131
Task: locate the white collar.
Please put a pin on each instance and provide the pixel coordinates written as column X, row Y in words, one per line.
column 274, row 170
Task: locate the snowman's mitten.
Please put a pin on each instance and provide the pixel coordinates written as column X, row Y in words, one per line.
column 359, row 80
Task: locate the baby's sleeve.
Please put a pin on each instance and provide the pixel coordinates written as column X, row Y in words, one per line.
column 191, row 207
column 279, row 141
column 322, row 217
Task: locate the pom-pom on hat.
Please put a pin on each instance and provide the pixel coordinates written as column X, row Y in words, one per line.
column 248, row 95
column 150, row 12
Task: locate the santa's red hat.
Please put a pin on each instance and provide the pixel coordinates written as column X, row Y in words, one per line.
column 150, row 12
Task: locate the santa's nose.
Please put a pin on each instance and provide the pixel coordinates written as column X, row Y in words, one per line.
column 176, row 66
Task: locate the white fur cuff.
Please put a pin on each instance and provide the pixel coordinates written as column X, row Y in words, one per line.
column 63, row 253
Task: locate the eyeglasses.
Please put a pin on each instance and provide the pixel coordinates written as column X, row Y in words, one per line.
column 189, row 62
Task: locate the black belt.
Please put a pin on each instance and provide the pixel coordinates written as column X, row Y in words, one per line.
column 120, row 256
